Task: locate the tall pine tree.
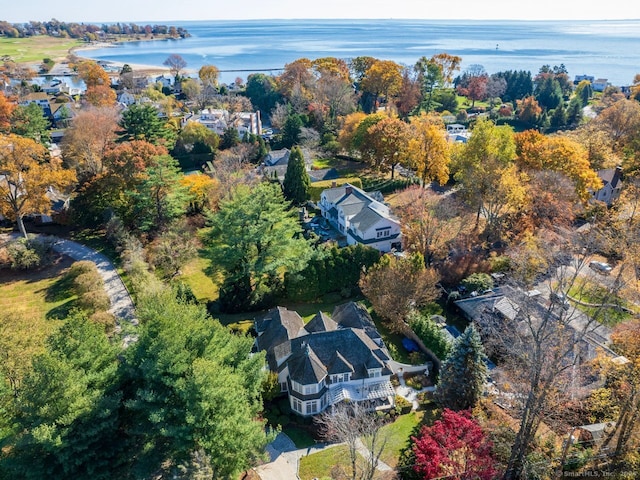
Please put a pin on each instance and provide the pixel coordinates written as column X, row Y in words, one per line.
column 296, row 179
column 463, row 373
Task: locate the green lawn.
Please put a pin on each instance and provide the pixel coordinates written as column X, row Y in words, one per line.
column 40, row 295
column 34, row 49
column 589, row 292
column 193, row 274
column 320, row 464
column 397, row 435
column 344, row 167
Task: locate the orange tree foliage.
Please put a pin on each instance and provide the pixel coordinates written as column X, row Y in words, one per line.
column 528, row 110
column 428, row 149
column 332, row 66
column 387, row 144
column 6, row 108
column 28, row 176
column 384, row 78
column 559, row 154
column 91, row 134
column 429, row 222
column 296, row 74
column 93, row 74
column 100, row 96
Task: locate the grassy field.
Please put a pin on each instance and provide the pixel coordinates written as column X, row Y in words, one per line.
column 193, row 274
column 397, row 435
column 34, row 49
column 589, row 292
column 41, row 295
column 319, row 465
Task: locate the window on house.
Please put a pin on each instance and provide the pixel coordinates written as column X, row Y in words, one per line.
column 383, row 233
column 312, row 407
column 375, row 373
column 309, row 389
column 297, row 405
column 283, row 387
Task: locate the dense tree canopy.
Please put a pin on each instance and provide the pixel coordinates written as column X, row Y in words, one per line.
column 254, row 239
column 28, row 177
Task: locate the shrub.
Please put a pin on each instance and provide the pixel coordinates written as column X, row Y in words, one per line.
column 106, row 320
column 87, row 282
column 403, row 406
column 83, row 266
column 94, row 301
column 26, row 254
column 478, row 282
column 429, row 333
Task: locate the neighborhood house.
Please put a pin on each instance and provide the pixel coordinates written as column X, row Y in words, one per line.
column 328, row 360
column 361, row 218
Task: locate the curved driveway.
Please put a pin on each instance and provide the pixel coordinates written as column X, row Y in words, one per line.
column 121, row 303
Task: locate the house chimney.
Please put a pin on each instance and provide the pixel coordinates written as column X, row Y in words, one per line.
column 348, row 190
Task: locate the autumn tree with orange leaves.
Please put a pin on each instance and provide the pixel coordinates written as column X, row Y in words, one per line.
column 428, row 149
column 6, row 109
column 28, row 175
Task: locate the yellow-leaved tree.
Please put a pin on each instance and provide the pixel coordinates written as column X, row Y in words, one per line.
column 429, row 149
column 27, row 175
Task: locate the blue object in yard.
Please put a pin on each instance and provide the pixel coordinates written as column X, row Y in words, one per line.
column 409, row 345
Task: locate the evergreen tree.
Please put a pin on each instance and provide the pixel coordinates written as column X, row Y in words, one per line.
column 194, row 389
column 254, row 239
column 67, row 412
column 463, row 373
column 160, row 197
column 292, row 130
column 230, row 138
column 296, row 179
column 558, row 118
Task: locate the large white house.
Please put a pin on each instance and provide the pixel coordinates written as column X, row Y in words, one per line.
column 218, row 120
column 361, row 217
column 328, row 360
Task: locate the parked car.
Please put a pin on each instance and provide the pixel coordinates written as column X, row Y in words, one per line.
column 600, row 267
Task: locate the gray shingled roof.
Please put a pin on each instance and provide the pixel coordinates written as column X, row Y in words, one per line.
column 355, row 350
column 340, row 365
column 366, row 219
column 305, row 367
column 354, row 315
column 320, row 323
column 275, row 329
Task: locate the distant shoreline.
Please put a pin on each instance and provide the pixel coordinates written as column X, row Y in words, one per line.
column 136, row 67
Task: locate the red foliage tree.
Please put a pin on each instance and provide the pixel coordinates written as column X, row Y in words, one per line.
column 454, row 447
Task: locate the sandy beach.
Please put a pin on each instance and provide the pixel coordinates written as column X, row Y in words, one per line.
column 136, row 67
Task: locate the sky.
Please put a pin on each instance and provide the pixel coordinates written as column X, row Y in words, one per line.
column 144, row 11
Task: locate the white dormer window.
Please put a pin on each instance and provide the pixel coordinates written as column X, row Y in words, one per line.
column 375, row 372
column 340, row 377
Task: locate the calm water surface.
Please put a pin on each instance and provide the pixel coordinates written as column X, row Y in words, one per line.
column 604, row 49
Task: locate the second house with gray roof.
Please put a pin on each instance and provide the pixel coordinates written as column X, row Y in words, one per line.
column 361, row 217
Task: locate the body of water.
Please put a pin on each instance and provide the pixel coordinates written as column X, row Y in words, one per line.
column 603, row 49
